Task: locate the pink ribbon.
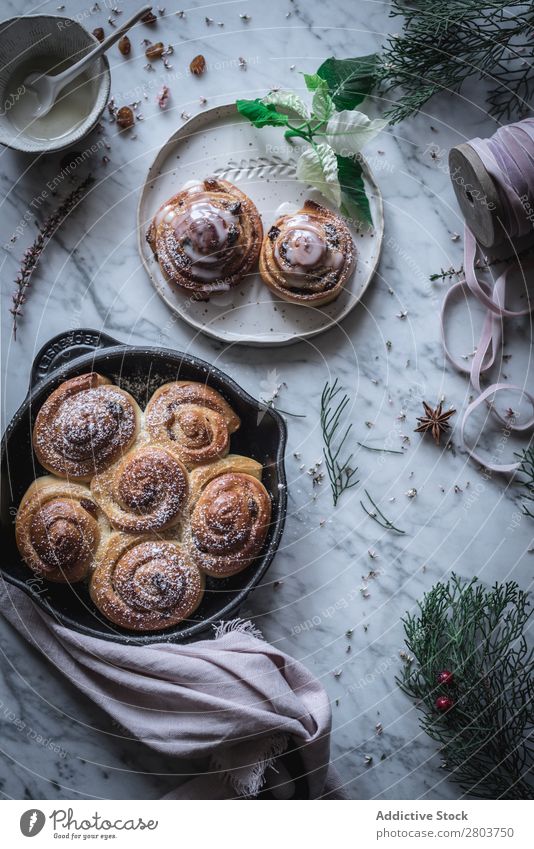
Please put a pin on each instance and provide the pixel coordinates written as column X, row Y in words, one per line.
column 508, row 157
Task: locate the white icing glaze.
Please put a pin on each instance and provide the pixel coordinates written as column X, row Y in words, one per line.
column 202, row 231
column 306, row 254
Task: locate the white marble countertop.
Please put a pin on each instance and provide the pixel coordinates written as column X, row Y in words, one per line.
column 91, row 276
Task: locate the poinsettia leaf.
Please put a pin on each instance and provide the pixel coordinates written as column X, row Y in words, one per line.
column 313, row 81
column 322, row 103
column 261, row 114
column 287, row 100
column 348, row 131
column 355, row 200
column 349, row 80
column 318, row 167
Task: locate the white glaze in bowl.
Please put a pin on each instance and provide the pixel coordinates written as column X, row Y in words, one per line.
column 54, row 39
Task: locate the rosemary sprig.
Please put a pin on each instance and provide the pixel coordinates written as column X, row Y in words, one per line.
column 33, row 254
column 340, row 473
column 479, row 635
column 377, row 516
column 526, row 467
column 380, row 450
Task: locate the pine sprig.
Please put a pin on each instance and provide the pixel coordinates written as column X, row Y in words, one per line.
column 526, row 467
column 32, row 255
column 442, row 44
column 340, row 473
column 487, row 738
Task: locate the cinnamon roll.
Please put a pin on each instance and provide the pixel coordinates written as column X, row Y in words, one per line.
column 194, row 419
column 146, row 490
column 230, row 517
column 84, row 426
column 59, row 530
column 145, row 584
column 207, row 237
column 307, row 257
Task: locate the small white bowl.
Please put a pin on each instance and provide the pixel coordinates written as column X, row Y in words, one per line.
column 32, row 38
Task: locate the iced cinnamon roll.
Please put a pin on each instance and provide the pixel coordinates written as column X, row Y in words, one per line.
column 146, row 490
column 192, row 418
column 145, row 584
column 230, row 516
column 307, row 257
column 207, row 237
column 84, row 426
column 59, row 530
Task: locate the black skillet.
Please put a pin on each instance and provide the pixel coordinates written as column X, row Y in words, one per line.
column 140, row 370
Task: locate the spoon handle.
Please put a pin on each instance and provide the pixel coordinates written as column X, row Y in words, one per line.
column 76, row 69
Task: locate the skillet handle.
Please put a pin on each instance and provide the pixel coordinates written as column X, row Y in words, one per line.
column 64, row 347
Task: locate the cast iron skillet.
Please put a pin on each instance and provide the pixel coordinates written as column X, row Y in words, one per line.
column 140, row 370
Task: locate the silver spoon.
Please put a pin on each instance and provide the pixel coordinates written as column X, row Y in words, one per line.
column 47, row 87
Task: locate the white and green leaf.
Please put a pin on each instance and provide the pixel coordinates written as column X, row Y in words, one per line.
column 288, row 101
column 322, row 103
column 348, row 131
column 317, row 166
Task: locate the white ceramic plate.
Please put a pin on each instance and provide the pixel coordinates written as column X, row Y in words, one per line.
column 220, row 142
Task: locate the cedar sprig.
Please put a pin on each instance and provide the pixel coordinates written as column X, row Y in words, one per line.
column 378, row 516
column 442, row 44
column 479, row 634
column 33, row 254
column 340, row 473
column 526, row 467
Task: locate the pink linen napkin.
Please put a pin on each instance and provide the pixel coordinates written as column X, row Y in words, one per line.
column 234, row 699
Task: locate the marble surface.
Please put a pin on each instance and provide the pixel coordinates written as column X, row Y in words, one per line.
column 55, row 743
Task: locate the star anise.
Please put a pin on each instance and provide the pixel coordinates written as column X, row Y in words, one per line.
column 435, row 421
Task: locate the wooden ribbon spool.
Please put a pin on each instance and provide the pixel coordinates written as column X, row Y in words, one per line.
column 477, row 195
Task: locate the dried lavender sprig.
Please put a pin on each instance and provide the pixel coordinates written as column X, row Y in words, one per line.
column 33, row 253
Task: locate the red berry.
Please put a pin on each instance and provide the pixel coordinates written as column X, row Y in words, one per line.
column 445, row 677
column 443, row 704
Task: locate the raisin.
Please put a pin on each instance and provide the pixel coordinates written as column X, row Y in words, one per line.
column 125, row 118
column 198, row 65
column 155, row 51
column 99, row 34
column 149, row 18
column 233, row 234
column 125, row 45
column 273, row 233
column 235, row 208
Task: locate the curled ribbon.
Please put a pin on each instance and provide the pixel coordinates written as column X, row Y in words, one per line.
column 508, row 157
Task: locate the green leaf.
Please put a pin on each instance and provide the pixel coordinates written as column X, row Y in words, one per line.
column 261, row 114
column 349, row 80
column 348, row 131
column 350, row 175
column 322, row 103
column 313, row 81
column 287, row 100
column 318, row 167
